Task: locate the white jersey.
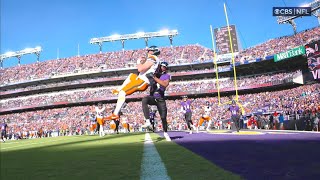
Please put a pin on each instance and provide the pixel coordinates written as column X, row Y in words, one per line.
column 124, row 120
column 152, row 69
column 92, row 119
column 207, row 110
column 100, row 112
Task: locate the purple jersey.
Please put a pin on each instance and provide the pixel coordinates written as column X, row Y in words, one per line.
column 3, row 126
column 152, row 115
column 159, row 92
column 234, row 110
column 186, row 106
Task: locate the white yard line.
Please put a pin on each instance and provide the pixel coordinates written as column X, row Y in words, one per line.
column 152, row 167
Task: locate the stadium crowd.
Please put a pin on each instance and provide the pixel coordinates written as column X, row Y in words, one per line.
column 94, row 62
column 174, row 55
column 210, row 84
column 303, row 100
column 94, row 93
column 85, row 80
column 277, row 45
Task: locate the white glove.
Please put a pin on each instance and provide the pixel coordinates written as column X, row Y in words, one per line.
column 139, row 61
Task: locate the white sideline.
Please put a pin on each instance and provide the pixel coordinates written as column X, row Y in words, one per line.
column 152, row 167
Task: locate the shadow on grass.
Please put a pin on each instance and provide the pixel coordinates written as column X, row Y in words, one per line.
column 159, row 139
column 116, row 161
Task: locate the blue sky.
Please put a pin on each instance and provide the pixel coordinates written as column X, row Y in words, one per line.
column 63, row 24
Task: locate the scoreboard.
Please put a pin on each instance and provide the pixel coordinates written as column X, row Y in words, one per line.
column 222, row 39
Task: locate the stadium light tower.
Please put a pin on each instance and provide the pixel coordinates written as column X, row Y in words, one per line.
column 315, row 6
column 140, row 35
column 315, row 9
column 37, row 50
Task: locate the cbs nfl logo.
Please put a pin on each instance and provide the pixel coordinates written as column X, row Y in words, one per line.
column 291, row 11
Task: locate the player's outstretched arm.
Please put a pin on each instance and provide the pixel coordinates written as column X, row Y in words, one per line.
column 143, row 67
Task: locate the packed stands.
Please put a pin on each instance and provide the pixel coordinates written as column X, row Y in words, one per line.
column 277, row 45
column 174, row 55
column 74, row 119
column 300, row 100
column 94, row 93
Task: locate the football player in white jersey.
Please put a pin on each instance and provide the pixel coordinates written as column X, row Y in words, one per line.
column 113, row 127
column 205, row 116
column 93, row 123
column 100, row 111
column 125, row 124
column 136, row 82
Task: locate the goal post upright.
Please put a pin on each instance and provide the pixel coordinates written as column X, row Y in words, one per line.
column 232, row 55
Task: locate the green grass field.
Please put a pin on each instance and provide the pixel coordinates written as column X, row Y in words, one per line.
column 91, row 157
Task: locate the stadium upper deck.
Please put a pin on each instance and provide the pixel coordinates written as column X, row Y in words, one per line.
column 123, row 59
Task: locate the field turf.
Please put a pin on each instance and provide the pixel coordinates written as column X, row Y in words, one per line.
column 91, row 157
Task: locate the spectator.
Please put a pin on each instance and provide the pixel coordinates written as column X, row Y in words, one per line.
column 281, row 121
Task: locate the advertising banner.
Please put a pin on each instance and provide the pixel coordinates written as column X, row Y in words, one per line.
column 297, row 51
column 313, row 58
